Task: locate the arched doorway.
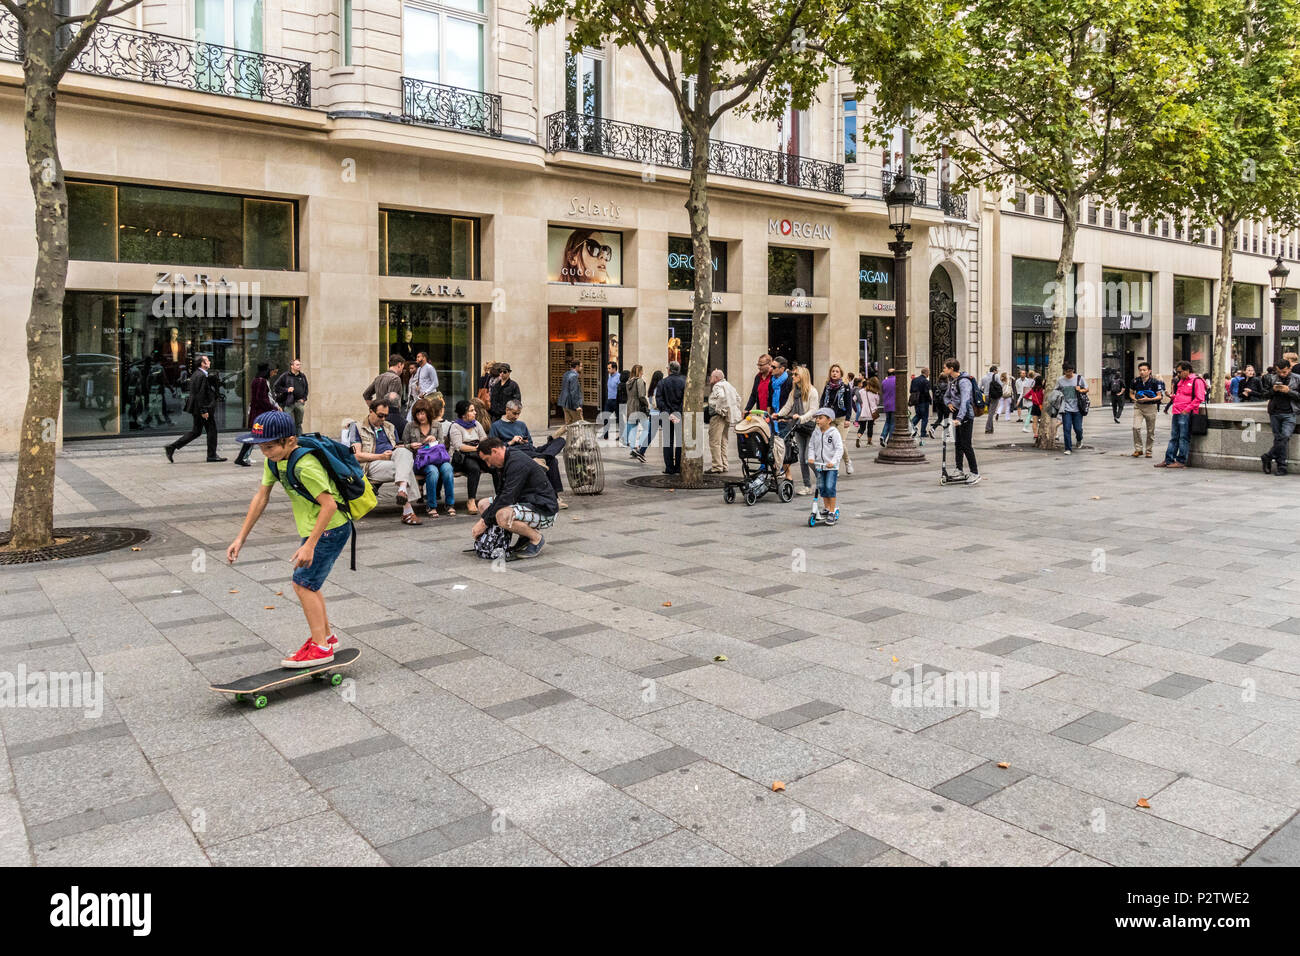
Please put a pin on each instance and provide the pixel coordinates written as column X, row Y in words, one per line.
column 943, row 320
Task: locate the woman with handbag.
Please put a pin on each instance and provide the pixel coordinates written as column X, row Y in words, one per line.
column 837, row 395
column 800, row 406
column 432, row 460
column 462, row 441
column 869, row 409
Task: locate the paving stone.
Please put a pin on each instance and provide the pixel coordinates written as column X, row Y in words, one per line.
column 323, row 839
column 679, row 848
column 576, row 816
column 965, row 790
column 1227, row 814
column 512, row 847
column 1005, row 645
column 920, row 823
column 734, row 692
column 1079, row 621
column 1241, row 653
column 741, row 817
column 159, row 839
column 754, row 751
column 1281, row 849
column 1175, row 685
column 1114, row 833
column 590, row 737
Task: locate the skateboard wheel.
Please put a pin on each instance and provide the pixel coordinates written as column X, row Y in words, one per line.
column 260, row 701
column 241, row 697
column 336, row 679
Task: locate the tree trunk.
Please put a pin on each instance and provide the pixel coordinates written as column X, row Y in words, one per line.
column 33, row 503
column 1223, row 310
column 697, row 206
column 1060, row 315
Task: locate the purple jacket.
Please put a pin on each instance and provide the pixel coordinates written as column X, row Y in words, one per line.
column 887, row 394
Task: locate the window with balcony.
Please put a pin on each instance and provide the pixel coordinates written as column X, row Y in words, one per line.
column 443, row 42
column 584, row 83
column 850, row 131
column 225, row 23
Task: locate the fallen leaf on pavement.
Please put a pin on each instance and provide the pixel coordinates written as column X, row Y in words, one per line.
column 893, row 659
column 778, row 786
column 135, row 549
column 1142, row 802
column 1003, row 766
column 234, row 590
column 1096, row 497
column 268, row 607
column 720, row 657
column 668, row 603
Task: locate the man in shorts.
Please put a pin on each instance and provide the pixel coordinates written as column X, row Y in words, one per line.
column 524, row 502
column 324, row 529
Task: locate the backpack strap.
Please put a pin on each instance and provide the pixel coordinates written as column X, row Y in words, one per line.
column 344, row 506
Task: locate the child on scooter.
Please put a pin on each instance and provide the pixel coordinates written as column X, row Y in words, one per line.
column 825, row 449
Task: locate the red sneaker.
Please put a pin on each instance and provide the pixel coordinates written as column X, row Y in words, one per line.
column 309, row 655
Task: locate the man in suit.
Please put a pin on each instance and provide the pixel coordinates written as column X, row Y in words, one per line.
column 202, row 404
column 669, row 397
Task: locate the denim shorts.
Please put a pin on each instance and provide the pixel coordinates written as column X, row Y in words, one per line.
column 328, row 549
column 826, row 479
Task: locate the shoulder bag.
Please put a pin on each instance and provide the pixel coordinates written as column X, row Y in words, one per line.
column 1199, row 423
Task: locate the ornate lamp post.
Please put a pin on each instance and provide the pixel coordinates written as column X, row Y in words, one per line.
column 1277, row 277
column 901, row 449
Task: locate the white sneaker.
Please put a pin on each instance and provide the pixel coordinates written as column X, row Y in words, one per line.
column 973, row 479
column 1067, row 451
column 804, row 491
column 848, row 467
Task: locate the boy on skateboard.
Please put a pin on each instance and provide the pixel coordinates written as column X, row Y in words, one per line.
column 323, row 527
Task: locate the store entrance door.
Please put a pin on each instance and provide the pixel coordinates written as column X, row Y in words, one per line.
column 576, row 334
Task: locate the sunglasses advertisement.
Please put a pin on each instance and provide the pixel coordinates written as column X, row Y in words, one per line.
column 584, row 256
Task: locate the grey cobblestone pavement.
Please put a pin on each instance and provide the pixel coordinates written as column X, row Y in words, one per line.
column 632, row 696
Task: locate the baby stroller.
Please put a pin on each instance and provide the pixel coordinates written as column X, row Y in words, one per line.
column 762, row 456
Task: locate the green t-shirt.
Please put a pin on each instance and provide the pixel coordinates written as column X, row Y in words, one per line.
column 311, row 473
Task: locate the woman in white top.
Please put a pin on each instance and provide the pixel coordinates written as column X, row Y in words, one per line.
column 1007, row 399
column 801, row 405
column 868, row 408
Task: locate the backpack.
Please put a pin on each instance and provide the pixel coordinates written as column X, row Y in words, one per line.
column 1084, row 401
column 979, row 405
column 621, row 395
column 492, row 543
column 995, row 389
column 342, row 468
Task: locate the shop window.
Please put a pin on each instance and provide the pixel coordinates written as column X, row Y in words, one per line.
column 1192, row 296
column 875, row 277
column 789, row 271
column 126, row 368
column 1125, row 291
column 181, row 227
column 1033, row 282
column 428, row 244
column 681, row 264
column 1246, row 300
column 446, row 333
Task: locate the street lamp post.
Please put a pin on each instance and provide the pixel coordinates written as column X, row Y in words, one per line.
column 901, row 449
column 1277, row 277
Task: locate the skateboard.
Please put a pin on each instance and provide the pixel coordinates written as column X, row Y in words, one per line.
column 253, row 688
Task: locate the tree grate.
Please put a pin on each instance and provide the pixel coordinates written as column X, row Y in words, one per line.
column 81, row 542
column 674, row 482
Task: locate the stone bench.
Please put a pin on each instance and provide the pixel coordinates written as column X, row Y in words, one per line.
column 1239, row 434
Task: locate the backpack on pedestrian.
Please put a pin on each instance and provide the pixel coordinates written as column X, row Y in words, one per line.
column 995, row 389
column 342, row 468
column 978, row 403
column 1084, row 402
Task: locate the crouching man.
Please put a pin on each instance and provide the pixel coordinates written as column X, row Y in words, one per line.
column 524, row 502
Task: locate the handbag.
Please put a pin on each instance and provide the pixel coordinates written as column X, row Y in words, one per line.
column 430, row 455
column 1199, row 422
column 1084, row 402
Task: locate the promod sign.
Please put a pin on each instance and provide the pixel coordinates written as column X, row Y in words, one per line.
column 795, row 229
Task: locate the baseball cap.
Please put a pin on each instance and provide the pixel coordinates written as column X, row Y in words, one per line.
column 829, row 413
column 503, row 367
column 269, row 426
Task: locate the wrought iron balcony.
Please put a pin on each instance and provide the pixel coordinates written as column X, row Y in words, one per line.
column 953, row 204
column 579, row 132
column 919, row 186
column 436, row 104
column 124, row 53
